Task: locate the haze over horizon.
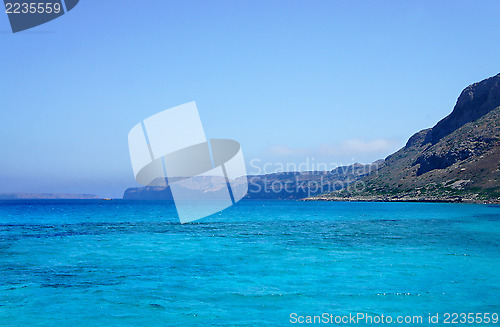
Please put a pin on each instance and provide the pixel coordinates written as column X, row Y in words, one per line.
column 337, row 82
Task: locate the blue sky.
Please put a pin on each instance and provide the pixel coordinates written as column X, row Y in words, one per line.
column 332, row 81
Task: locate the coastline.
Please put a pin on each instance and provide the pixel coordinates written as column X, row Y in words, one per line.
column 47, row 196
column 381, row 198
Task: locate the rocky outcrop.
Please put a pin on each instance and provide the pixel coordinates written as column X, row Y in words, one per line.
column 474, row 102
column 443, row 158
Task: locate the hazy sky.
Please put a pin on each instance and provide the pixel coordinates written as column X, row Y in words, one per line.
column 332, row 81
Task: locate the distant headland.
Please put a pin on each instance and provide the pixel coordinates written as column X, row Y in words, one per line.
column 47, row 196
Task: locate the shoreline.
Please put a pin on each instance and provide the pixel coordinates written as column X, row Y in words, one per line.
column 424, row 199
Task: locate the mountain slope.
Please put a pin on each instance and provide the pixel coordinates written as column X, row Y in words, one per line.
column 456, row 160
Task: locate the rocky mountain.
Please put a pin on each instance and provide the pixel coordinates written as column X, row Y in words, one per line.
column 456, row 160
column 284, row 185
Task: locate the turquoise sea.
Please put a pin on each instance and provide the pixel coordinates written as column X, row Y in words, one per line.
column 126, row 263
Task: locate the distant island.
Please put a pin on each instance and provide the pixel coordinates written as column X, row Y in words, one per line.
column 46, row 196
column 457, row 160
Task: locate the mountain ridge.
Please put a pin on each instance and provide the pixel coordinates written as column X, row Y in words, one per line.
column 281, row 185
column 457, row 160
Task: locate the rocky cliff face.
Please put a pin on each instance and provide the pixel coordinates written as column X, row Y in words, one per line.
column 458, row 159
column 473, row 103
